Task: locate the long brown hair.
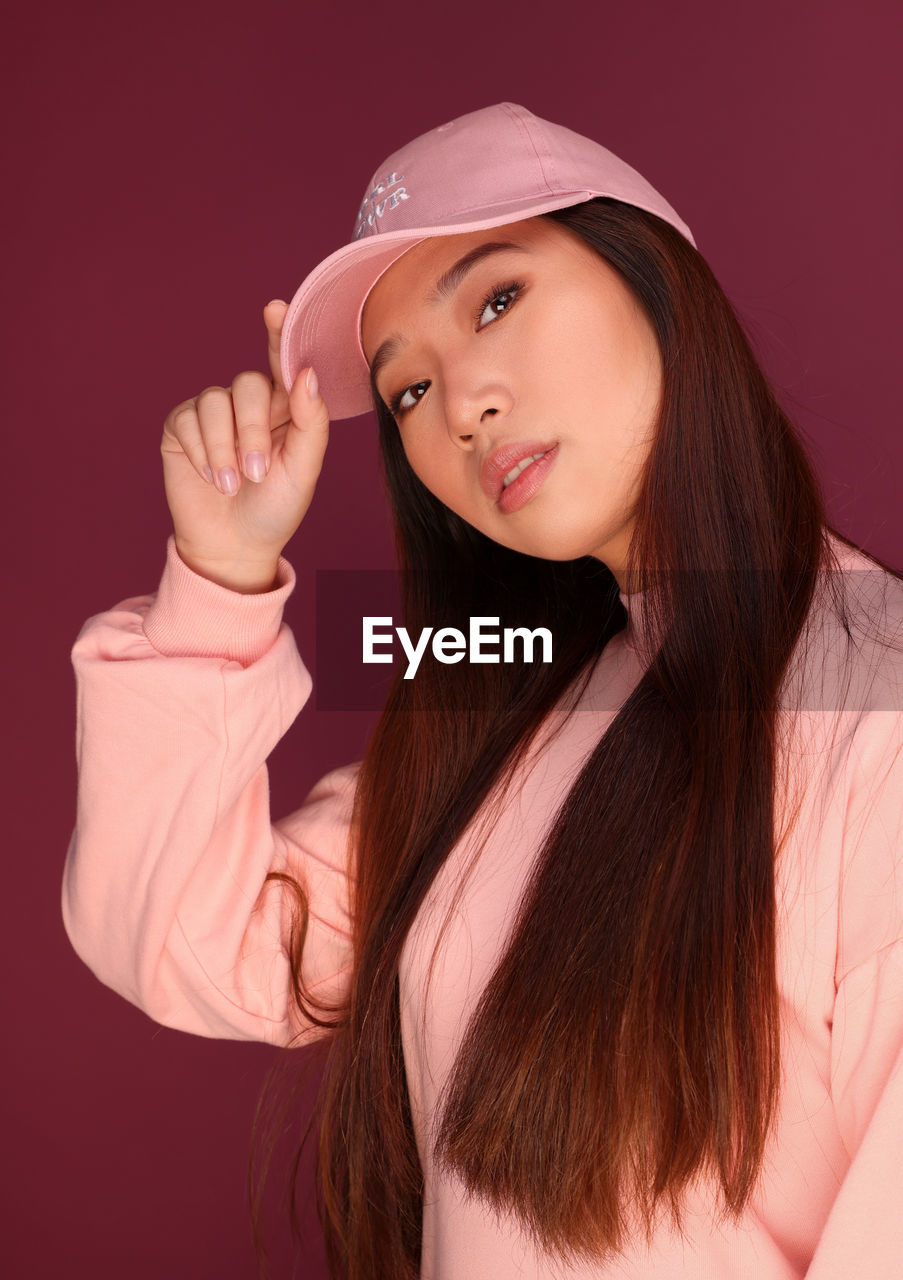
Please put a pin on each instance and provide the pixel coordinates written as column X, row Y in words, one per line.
column 628, row 1040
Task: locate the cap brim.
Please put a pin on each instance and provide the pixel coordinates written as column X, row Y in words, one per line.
column 322, row 324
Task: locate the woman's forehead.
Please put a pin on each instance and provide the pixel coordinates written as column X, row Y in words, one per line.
column 438, row 250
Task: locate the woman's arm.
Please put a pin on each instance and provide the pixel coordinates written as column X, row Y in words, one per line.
column 181, row 696
column 863, row 1235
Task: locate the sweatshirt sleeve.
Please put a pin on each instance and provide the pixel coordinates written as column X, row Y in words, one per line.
column 863, row 1235
column 180, row 698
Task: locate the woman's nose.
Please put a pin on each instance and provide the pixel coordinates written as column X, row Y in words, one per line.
column 468, row 412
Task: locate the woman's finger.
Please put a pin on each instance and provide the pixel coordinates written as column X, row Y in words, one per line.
column 273, row 317
column 217, row 421
column 308, row 432
column 183, row 427
column 251, row 396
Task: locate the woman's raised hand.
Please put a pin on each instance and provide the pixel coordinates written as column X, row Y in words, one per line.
column 240, row 465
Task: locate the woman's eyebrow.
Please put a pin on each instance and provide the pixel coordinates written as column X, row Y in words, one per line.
column 447, row 283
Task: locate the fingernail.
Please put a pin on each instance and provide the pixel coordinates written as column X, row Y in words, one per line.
column 227, row 480
column 208, row 473
column 313, row 385
column 255, row 466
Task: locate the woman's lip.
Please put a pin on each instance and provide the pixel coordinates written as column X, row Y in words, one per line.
column 497, row 465
column 519, row 492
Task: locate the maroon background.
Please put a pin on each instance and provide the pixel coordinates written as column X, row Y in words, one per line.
column 170, row 168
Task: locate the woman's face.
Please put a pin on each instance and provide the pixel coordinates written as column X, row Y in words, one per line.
column 495, row 346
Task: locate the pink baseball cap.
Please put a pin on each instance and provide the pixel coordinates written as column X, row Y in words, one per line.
column 485, row 169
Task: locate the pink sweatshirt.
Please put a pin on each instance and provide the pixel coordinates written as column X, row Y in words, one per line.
column 181, row 697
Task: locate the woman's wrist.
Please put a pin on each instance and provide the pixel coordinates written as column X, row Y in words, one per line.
column 241, row 575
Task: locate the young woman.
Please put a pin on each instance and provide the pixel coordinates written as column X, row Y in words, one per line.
column 608, row 950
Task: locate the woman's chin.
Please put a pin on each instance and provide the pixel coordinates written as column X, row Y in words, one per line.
column 551, row 542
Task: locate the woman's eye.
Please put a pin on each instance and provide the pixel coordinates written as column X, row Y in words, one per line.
column 496, row 303
column 400, row 403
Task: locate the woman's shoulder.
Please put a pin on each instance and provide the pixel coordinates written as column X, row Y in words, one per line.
column 849, row 659
column 845, row 751
column 848, row 557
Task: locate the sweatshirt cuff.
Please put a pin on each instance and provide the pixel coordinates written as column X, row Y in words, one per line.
column 192, row 617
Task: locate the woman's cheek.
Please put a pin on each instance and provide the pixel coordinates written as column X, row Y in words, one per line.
column 427, row 467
